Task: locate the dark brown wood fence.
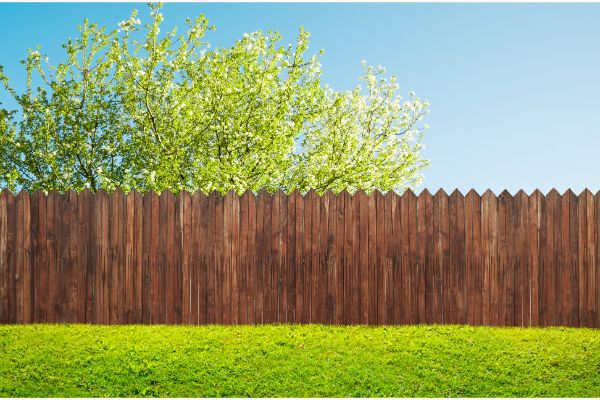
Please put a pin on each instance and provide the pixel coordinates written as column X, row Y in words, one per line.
column 523, row 260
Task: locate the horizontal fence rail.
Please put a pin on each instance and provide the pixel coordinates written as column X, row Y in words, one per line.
column 522, row 260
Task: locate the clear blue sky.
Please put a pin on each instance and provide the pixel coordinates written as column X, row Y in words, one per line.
column 514, row 88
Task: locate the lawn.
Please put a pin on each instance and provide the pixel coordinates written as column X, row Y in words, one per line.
column 297, row 361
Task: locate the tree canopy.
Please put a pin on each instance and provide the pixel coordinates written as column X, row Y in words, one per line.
column 134, row 108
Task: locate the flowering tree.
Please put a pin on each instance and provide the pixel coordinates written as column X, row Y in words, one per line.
column 136, row 109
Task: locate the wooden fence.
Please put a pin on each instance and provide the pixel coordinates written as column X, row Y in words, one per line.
column 523, row 260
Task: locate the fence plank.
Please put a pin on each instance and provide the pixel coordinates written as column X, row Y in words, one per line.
column 211, row 264
column 34, row 272
column 266, row 270
column 332, row 257
column 453, row 266
column 315, row 257
column 591, row 262
column 323, row 278
column 195, row 232
column 405, row 258
column 252, row 259
column 520, row 245
column 389, row 256
column 233, row 266
column 261, row 258
column 41, row 300
column 572, row 266
column 131, row 254
column 351, row 310
column 275, row 244
column 534, row 220
column 441, row 268
column 395, row 243
column 114, row 267
column 428, row 243
column 594, row 259
column 371, row 265
column 546, row 243
column 469, row 262
column 413, row 273
column 281, row 263
column 380, row 261
column 487, row 208
column 5, row 276
column 147, row 273
column 503, row 275
column 299, row 255
column 340, row 220
column 362, row 248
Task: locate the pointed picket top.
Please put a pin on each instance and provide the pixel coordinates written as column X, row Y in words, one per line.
column 409, row 194
column 200, row 195
column 344, row 194
column 504, row 197
column 335, row 193
column 134, row 194
column 214, row 194
column 521, row 193
column 183, row 196
column 295, row 193
column 328, row 194
column 279, row 193
column 537, row 193
column 553, row 194
column 23, row 193
column 38, row 194
column 392, row 194
column 377, row 194
column 425, row 193
column 586, row 192
column 521, row 196
column 85, row 196
column 360, row 194
column 440, row 193
column 6, row 193
column 247, row 194
column 488, row 193
column 99, row 193
column 151, row 193
column 472, row 193
column 70, row 195
column 165, row 194
column 311, row 194
column 262, row 193
column 456, row 193
column 570, row 195
column 118, row 193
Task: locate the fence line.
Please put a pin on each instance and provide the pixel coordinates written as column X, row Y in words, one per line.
column 522, row 260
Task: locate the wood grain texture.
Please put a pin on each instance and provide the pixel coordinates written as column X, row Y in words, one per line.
column 511, row 260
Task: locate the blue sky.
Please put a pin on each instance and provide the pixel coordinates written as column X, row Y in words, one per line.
column 514, row 88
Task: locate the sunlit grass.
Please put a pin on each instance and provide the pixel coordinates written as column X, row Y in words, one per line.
column 297, row 361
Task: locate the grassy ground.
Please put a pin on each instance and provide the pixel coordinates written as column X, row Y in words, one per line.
column 297, row 361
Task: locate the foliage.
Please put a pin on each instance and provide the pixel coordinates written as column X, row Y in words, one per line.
column 297, row 361
column 137, row 109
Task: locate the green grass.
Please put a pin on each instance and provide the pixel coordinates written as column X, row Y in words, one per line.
column 297, row 361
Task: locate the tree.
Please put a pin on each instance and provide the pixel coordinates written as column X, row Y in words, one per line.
column 136, row 109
